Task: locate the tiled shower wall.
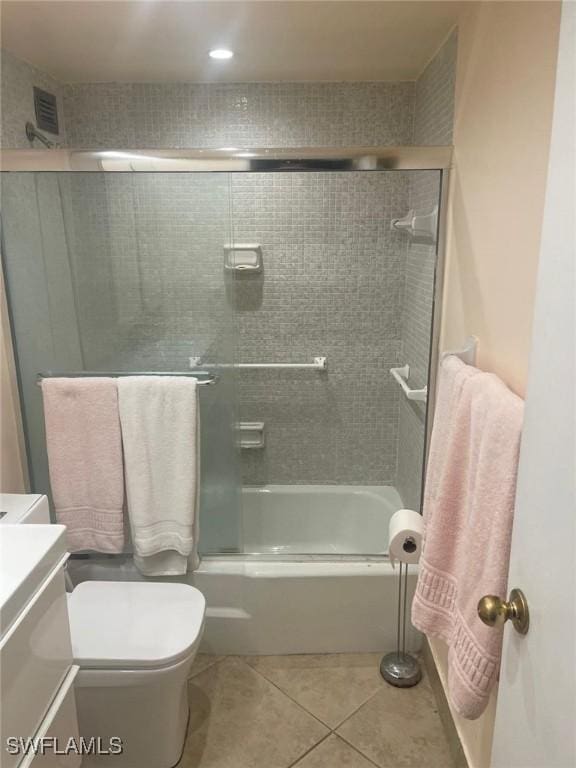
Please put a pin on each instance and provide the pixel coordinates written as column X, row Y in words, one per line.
column 333, row 270
column 332, row 286
column 434, row 115
column 334, row 276
column 238, row 114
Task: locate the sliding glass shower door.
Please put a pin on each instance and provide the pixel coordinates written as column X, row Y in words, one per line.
column 252, row 275
column 348, row 275
column 124, row 272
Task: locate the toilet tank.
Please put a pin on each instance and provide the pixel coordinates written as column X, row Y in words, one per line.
column 24, row 508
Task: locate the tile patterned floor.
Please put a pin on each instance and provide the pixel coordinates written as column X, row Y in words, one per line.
column 325, row 711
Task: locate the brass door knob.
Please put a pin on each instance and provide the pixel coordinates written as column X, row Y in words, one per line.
column 496, row 612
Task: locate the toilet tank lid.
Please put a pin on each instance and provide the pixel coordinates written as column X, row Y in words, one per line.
column 125, row 625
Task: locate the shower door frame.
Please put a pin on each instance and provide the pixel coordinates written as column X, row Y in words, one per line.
column 229, row 160
column 272, row 160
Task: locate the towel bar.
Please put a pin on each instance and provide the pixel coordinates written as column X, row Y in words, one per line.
column 211, row 378
column 468, row 351
column 400, row 375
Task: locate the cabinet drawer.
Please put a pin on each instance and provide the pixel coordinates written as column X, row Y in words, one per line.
column 60, row 724
column 35, row 656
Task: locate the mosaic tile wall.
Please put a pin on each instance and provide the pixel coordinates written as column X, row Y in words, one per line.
column 333, row 278
column 176, row 115
column 17, row 101
column 146, row 253
column 332, row 285
column 434, row 114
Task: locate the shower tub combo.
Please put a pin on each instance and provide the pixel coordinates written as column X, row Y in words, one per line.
column 311, row 593
column 290, row 568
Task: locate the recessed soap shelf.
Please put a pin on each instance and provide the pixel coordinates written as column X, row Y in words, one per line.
column 250, row 434
column 243, row 258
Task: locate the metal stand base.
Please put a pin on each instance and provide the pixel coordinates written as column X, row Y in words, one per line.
column 400, row 669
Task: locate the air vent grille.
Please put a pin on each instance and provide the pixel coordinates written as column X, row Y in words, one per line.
column 46, row 111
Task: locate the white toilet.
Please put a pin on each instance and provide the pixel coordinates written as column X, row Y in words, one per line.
column 135, row 643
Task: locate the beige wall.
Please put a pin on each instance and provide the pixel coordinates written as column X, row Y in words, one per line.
column 503, row 114
column 504, row 92
column 13, row 474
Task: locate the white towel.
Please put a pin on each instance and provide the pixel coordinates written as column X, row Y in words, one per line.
column 160, row 426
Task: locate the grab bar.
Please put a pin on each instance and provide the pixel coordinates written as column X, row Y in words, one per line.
column 319, row 364
column 400, row 375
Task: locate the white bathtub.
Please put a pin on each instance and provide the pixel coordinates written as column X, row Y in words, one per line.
column 315, row 577
column 318, row 519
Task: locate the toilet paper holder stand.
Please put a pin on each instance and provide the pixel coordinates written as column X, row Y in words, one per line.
column 398, row 667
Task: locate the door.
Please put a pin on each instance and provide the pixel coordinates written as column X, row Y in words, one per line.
column 536, row 713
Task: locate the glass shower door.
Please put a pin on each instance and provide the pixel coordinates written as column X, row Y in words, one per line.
column 344, row 445
column 124, row 272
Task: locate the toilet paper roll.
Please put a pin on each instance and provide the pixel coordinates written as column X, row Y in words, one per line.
column 405, row 536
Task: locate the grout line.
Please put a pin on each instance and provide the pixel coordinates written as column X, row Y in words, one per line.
column 303, row 755
column 355, row 748
column 303, row 708
column 288, row 696
column 359, row 707
column 217, row 660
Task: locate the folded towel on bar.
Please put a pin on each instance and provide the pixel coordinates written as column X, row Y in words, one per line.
column 159, row 417
column 468, row 513
column 85, row 461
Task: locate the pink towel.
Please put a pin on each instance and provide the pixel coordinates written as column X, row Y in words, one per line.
column 468, row 513
column 85, row 460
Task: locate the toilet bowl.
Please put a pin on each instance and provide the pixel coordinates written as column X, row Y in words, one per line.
column 134, row 643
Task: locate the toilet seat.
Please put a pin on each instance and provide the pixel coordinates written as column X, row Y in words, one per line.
column 134, row 625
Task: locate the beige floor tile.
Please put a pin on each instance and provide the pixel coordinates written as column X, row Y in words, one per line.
column 333, row 752
column 240, row 720
column 202, row 662
column 400, row 728
column 330, row 686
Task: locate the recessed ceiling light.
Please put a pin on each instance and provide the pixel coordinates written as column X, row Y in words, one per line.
column 221, row 53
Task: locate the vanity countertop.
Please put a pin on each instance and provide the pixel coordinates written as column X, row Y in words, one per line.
column 28, row 553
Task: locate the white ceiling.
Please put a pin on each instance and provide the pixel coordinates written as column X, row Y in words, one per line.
column 162, row 40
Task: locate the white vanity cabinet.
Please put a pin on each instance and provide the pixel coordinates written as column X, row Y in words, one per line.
column 36, row 664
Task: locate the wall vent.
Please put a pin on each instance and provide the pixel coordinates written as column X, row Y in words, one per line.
column 46, row 110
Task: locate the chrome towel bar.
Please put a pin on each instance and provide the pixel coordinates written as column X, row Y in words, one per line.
column 211, row 378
